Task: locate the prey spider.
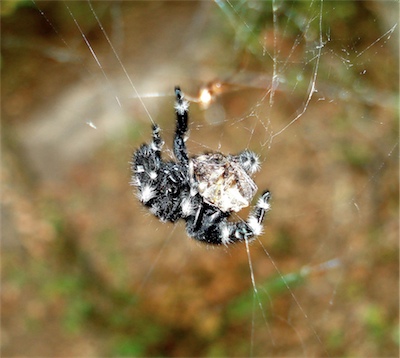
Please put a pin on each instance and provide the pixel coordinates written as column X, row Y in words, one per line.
column 202, row 190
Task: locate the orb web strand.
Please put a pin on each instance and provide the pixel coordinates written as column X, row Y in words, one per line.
column 120, row 62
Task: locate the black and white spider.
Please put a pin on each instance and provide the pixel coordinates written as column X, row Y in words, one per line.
column 203, row 190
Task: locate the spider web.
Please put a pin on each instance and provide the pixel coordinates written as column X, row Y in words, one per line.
column 310, row 86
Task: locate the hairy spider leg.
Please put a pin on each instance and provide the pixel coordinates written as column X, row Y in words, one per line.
column 257, row 216
column 164, row 186
column 146, row 163
column 181, row 109
column 241, row 231
column 211, row 225
column 157, row 143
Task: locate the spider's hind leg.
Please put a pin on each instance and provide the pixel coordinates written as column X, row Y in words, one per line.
column 256, row 218
column 215, row 229
column 249, row 229
column 252, row 227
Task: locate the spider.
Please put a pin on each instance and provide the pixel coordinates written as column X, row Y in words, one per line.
column 202, row 190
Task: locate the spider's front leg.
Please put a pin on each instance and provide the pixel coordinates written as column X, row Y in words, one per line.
column 181, row 109
column 145, row 166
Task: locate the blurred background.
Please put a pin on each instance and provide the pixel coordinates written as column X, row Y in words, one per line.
column 312, row 87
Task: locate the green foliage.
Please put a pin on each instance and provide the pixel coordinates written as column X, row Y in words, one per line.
column 70, row 290
column 76, row 314
column 128, row 347
column 336, row 339
column 147, row 333
column 9, row 7
column 375, row 322
column 277, row 285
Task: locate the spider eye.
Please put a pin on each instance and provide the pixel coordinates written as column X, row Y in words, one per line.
column 249, row 161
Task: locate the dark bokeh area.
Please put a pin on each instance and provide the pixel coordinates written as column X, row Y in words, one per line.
column 311, row 87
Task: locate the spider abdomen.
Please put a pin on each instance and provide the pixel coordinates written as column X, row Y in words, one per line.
column 222, row 181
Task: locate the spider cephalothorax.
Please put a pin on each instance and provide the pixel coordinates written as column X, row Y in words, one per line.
column 203, row 190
